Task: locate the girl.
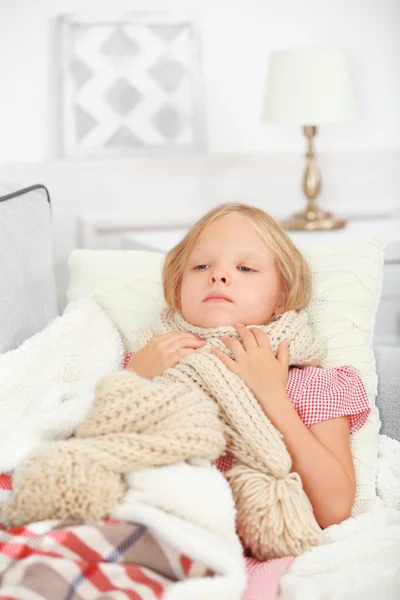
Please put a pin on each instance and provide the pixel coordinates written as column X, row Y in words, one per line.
column 237, row 267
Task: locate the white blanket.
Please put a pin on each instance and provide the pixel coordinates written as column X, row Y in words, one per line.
column 360, row 558
column 81, row 343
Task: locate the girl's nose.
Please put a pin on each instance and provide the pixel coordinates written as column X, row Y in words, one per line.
column 220, row 276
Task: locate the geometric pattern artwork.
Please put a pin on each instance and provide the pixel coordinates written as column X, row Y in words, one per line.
column 132, row 85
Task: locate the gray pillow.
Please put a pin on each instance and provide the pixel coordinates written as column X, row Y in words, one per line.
column 28, row 299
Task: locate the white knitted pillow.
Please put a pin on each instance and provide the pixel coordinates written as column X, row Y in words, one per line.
column 126, row 284
column 346, row 291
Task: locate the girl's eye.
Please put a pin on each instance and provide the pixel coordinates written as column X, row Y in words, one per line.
column 245, row 269
column 241, row 268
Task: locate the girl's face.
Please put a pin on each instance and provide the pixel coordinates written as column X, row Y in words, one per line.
column 230, row 259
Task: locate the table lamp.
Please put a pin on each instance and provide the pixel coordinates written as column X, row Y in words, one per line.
column 310, row 86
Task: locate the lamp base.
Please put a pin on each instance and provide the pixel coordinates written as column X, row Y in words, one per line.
column 317, row 220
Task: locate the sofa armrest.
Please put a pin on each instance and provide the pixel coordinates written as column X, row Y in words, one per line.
column 388, row 399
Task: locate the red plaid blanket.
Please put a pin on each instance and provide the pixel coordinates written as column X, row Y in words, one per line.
column 89, row 561
column 105, row 560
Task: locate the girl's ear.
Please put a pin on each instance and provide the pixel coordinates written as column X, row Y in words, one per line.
column 281, row 304
column 178, row 295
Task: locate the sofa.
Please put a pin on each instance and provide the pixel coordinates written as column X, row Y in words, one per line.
column 28, row 302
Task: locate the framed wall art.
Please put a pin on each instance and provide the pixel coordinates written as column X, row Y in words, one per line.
column 131, row 85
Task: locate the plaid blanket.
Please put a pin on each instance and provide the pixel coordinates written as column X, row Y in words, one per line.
column 105, row 560
column 89, row 561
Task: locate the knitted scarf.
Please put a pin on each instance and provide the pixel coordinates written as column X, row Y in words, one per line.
column 134, row 424
column 195, row 409
column 274, row 515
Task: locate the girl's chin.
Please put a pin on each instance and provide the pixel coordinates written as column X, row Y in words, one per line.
column 218, row 316
column 209, row 321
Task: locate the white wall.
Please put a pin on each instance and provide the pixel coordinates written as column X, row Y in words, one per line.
column 238, row 36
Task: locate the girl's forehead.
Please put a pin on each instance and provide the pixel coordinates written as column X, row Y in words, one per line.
column 236, row 249
column 231, row 242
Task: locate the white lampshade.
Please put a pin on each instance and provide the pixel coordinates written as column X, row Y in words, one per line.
column 309, row 86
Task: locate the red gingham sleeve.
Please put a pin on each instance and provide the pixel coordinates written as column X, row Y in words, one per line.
column 328, row 394
column 126, row 359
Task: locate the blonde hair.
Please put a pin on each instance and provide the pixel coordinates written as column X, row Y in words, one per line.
column 294, row 270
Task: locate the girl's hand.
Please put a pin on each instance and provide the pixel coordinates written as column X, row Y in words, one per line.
column 255, row 362
column 163, row 352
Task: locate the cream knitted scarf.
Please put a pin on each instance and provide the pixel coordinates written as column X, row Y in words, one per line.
column 186, row 412
column 135, row 423
column 274, row 515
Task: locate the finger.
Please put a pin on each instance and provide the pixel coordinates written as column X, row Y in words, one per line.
column 262, row 338
column 186, row 334
column 166, row 338
column 174, row 359
column 249, row 341
column 183, row 343
column 228, row 362
column 283, row 355
column 234, row 345
column 182, row 352
column 179, row 339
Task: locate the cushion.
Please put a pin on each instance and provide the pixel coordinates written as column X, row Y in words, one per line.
column 28, row 298
column 125, row 283
column 347, row 281
column 346, row 291
column 79, row 344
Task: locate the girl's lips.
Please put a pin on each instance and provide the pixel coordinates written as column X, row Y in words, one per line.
column 217, row 300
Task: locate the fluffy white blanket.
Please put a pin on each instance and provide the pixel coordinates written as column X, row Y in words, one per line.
column 81, row 343
column 359, row 558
